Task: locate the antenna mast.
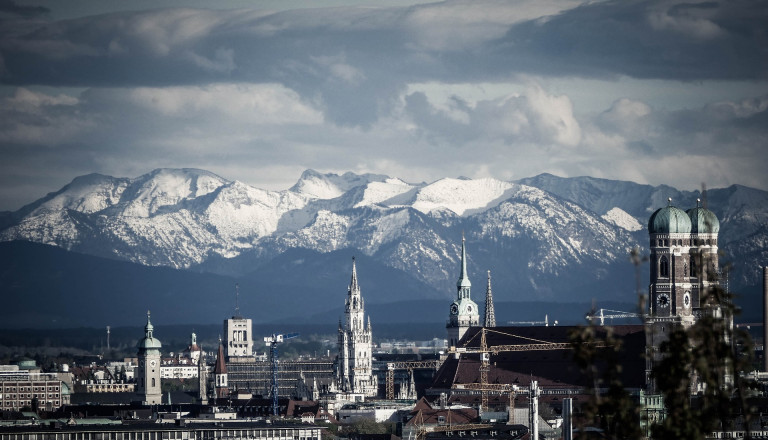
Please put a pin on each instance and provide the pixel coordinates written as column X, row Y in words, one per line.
column 107, row 338
column 237, row 299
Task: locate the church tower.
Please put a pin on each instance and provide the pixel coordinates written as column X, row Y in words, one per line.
column 355, row 362
column 464, row 312
column 220, row 384
column 684, row 265
column 148, row 374
column 490, row 313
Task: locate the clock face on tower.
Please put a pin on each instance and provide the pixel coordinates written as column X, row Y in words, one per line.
column 687, row 299
column 469, row 309
column 663, row 300
column 152, row 363
column 454, row 309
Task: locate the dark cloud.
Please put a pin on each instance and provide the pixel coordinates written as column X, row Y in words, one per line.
column 9, row 8
column 643, row 39
column 356, row 60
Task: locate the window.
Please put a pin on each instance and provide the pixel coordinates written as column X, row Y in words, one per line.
column 664, row 267
column 153, row 381
column 693, row 266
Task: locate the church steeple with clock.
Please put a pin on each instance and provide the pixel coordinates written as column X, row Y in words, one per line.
column 148, row 374
column 464, row 312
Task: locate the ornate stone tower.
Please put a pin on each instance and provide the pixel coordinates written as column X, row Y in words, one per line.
column 490, row 315
column 148, row 374
column 464, row 312
column 355, row 362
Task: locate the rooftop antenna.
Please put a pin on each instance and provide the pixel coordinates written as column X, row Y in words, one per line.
column 237, row 299
column 107, row 338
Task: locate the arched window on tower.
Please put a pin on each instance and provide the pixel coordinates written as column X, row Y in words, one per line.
column 664, row 267
column 693, row 266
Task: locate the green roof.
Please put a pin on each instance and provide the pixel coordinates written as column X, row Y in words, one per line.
column 703, row 221
column 669, row 220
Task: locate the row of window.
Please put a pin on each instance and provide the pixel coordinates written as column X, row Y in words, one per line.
column 679, row 242
column 29, row 396
column 41, row 388
column 664, row 268
column 19, row 403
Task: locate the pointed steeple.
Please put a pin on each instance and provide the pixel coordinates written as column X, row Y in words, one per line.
column 221, row 366
column 490, row 314
column 353, row 286
column 463, row 284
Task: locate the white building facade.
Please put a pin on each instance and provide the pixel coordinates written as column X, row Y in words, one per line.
column 355, row 362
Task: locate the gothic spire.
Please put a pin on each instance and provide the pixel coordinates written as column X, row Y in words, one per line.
column 353, row 286
column 490, row 314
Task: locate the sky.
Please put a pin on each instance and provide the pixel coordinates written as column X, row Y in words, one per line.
column 655, row 92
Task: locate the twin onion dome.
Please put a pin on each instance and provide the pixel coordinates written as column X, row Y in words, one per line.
column 673, row 220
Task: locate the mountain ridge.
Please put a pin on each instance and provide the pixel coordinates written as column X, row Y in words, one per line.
column 545, row 237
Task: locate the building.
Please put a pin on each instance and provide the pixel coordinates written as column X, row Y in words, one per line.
column 464, row 312
column 683, row 268
column 354, row 363
column 31, row 390
column 220, row 382
column 189, row 429
column 148, row 373
column 193, row 351
column 98, row 379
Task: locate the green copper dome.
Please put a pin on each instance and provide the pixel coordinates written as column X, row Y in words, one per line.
column 703, row 221
column 149, row 342
column 669, row 220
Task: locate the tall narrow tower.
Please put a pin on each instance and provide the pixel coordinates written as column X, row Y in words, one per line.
column 464, row 312
column 490, row 314
column 220, row 384
column 238, row 332
column 355, row 362
column 148, row 374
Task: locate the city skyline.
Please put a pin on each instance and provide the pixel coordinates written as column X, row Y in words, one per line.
column 415, row 90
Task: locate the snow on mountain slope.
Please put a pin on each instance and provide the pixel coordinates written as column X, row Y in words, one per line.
column 462, row 196
column 164, row 188
column 87, row 194
column 329, row 186
column 620, row 218
column 240, row 211
column 388, row 192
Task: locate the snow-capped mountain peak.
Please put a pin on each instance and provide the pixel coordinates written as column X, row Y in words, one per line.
column 462, row 196
column 167, row 187
column 316, row 185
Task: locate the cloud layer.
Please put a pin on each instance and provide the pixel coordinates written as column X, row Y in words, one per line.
column 259, row 96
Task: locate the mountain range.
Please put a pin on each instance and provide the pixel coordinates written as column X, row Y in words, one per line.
column 197, row 247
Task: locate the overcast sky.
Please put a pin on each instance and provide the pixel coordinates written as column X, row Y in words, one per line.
column 649, row 91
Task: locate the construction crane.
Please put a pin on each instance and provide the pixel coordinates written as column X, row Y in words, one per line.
column 545, row 322
column 405, row 365
column 601, row 315
column 272, row 341
column 485, row 352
